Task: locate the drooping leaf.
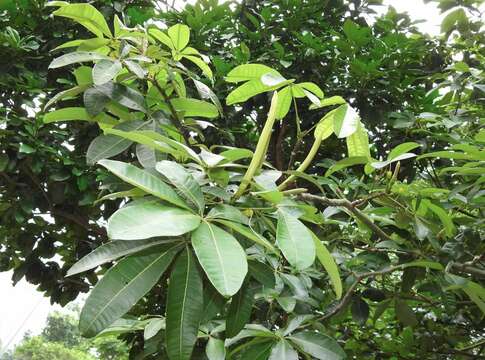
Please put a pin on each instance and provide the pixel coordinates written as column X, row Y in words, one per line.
column 346, row 121
column 184, row 307
column 86, row 15
column 94, row 101
column 194, row 107
column 215, row 349
column 318, row 345
column 328, row 262
column 76, row 57
column 121, row 287
column 239, row 311
column 111, row 251
column 144, row 180
column 123, row 95
column 282, row 350
column 183, row 181
column 179, row 35
column 295, row 241
column 105, row 70
column 206, row 70
column 148, row 220
column 221, row 256
column 284, row 102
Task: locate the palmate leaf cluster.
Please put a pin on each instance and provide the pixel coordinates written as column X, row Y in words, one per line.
column 220, row 251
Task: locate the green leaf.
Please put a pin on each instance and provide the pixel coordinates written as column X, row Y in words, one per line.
column 295, row 241
column 206, row 70
column 324, row 128
column 105, row 70
column 144, row 180
column 346, row 121
column 284, row 102
column 401, row 149
column 73, row 92
column 194, row 107
column 215, row 349
column 26, row 149
column 314, row 88
column 148, row 220
column 262, row 273
column 405, row 314
column 333, row 100
column 248, row 233
column 109, row 252
column 180, row 35
column 183, row 181
column 282, row 350
column 446, row 220
column 75, row 114
column 318, row 345
column 228, row 212
column 478, row 156
column 328, row 262
column 345, row 163
column 383, row 164
column 249, row 72
column 424, row 263
column 161, row 36
column 123, row 95
column 221, row 256
column 153, row 327
column 184, row 307
column 121, row 287
column 87, row 16
column 239, row 311
column 76, row 57
column 94, row 101
column 257, row 351
column 358, row 142
column 250, row 89
column 360, row 310
column 455, row 18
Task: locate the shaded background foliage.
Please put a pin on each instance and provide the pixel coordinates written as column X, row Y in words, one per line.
column 386, row 69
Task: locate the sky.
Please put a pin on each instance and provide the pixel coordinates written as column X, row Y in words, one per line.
column 24, row 309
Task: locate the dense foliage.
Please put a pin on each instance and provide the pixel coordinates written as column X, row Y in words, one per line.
column 330, row 207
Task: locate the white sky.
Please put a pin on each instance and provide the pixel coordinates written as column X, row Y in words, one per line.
column 23, row 308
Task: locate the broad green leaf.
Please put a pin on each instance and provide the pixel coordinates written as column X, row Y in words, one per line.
column 314, row 88
column 358, row 142
column 106, row 146
column 318, row 345
column 153, row 327
column 228, row 212
column 239, row 311
column 213, row 303
column 249, row 72
column 345, row 121
column 109, row 252
column 383, row 164
column 328, row 262
column 345, row 163
column 284, row 102
column 161, row 36
column 105, row 70
column 257, row 351
column 135, row 68
column 215, row 349
column 93, row 44
column 206, row 70
column 248, row 233
column 183, row 181
column 455, row 18
column 424, row 263
column 121, row 287
column 405, row 314
column 333, row 100
column 144, row 180
column 76, row 57
column 206, row 92
column 480, row 156
column 221, row 256
column 295, row 241
column 94, row 101
column 184, row 307
column 123, row 95
column 250, row 89
column 262, row 273
column 446, row 220
column 271, row 79
column 86, row 15
column 324, row 128
column 401, row 149
column 75, row 114
column 282, row 350
column 73, row 92
column 83, row 75
column 148, row 220
column 180, row 35
column 194, row 107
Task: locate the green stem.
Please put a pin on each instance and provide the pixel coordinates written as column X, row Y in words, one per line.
column 261, row 148
column 304, row 165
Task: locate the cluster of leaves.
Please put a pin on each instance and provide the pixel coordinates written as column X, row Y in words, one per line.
column 218, row 247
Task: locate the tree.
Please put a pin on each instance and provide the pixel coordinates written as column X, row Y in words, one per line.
column 262, row 234
column 36, row 348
